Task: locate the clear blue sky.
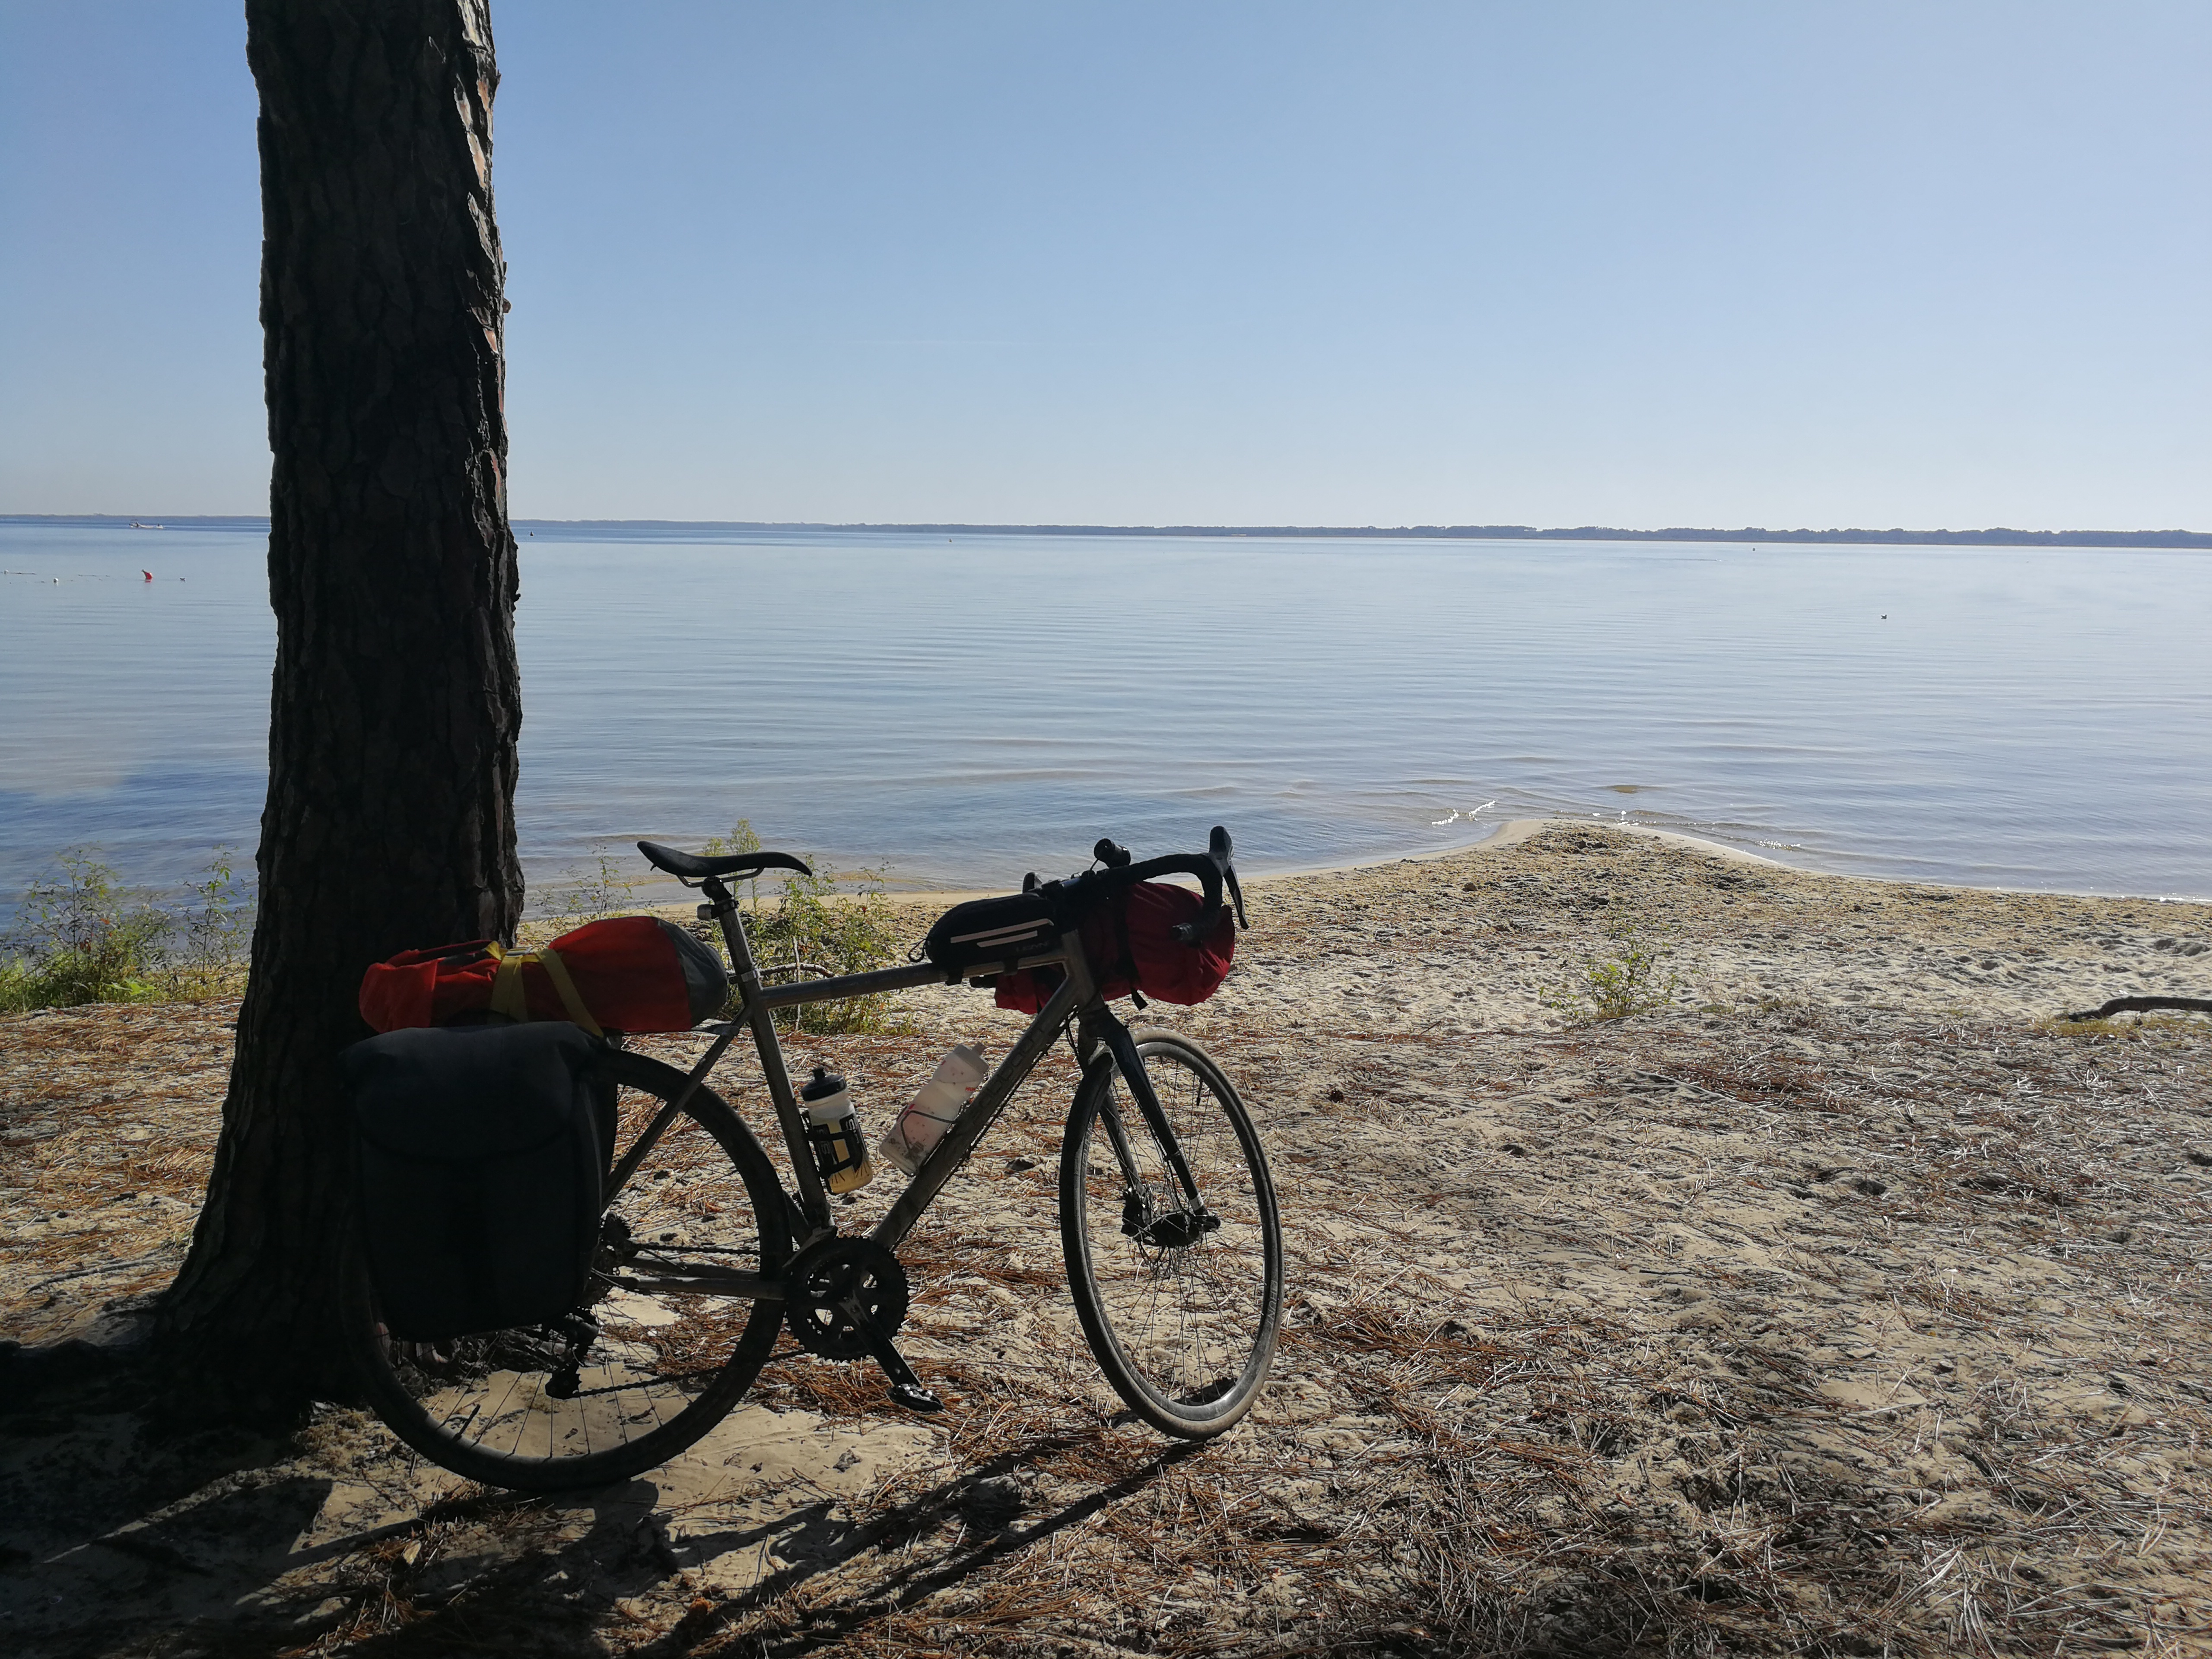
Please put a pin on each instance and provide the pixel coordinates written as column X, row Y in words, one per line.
column 1922, row 264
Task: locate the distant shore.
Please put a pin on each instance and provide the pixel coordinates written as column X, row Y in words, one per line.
column 1995, row 537
column 1998, row 537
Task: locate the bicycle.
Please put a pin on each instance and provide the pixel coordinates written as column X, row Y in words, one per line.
column 1167, row 1216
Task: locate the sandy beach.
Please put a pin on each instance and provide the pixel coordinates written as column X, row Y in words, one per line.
column 1843, row 1301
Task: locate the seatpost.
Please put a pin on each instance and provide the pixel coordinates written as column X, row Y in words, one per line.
column 813, row 1199
column 721, row 907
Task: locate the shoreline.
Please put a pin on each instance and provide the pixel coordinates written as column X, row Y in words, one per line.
column 1506, row 834
column 1512, row 832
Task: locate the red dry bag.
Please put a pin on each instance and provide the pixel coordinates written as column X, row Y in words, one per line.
column 626, row 974
column 1131, row 945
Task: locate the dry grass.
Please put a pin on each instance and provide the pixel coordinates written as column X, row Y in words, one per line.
column 1810, row 1329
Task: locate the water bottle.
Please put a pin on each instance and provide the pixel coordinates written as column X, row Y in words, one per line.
column 834, row 1128
column 933, row 1110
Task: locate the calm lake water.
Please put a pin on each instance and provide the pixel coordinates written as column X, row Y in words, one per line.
column 963, row 709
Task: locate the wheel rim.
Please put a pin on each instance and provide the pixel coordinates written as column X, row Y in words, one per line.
column 1188, row 1308
column 644, row 1377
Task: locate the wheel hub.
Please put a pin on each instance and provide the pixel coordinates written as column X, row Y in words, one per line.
column 831, row 1288
column 1177, row 1230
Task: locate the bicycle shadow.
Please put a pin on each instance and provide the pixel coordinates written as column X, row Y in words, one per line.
column 976, row 1497
column 115, row 1532
column 548, row 1575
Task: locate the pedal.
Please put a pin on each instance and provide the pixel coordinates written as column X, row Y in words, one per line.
column 907, row 1388
column 916, row 1398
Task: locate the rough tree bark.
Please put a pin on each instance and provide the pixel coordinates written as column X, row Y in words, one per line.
column 396, row 705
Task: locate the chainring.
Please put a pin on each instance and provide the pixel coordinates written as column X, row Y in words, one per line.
column 830, row 1286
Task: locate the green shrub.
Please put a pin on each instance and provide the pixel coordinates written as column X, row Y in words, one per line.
column 1613, row 985
column 815, row 929
column 81, row 937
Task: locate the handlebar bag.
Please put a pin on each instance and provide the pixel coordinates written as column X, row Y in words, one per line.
column 1131, row 945
column 478, row 1160
column 990, row 935
column 625, row 973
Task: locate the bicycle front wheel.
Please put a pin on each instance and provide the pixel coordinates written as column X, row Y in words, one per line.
column 667, row 1341
column 1180, row 1302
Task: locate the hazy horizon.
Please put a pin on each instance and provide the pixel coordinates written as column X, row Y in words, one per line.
column 1802, row 533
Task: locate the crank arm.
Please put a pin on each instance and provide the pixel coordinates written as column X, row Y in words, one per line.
column 907, row 1388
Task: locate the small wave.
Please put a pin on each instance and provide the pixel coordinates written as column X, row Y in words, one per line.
column 1471, row 814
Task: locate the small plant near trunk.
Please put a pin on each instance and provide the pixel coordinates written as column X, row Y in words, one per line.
column 588, row 892
column 209, row 937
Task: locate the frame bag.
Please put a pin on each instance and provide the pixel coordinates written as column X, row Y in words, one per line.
column 988, row 936
column 479, row 1162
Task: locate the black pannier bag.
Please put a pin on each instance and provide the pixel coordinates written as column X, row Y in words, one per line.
column 480, row 1157
column 988, row 936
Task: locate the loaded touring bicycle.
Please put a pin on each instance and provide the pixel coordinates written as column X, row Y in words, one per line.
column 574, row 1259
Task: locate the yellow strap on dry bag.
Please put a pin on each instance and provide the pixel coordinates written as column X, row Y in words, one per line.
column 557, row 971
column 509, row 999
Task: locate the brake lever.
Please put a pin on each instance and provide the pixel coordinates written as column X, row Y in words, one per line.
column 1222, row 851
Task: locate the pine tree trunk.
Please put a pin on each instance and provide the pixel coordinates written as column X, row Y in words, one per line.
column 392, row 569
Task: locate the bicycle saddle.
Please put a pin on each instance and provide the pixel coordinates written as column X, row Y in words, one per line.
column 689, row 866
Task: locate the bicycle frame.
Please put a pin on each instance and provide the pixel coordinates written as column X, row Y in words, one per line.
column 1182, row 1310
column 1075, row 995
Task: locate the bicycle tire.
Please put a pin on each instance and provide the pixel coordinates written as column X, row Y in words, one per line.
column 678, row 1360
column 1184, row 1329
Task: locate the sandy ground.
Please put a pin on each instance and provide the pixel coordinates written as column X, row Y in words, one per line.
column 1843, row 1304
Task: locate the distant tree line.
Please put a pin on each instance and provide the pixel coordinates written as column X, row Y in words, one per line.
column 1511, row 533
column 1501, row 532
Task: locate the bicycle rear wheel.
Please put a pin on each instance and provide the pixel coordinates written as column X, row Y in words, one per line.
column 667, row 1344
column 1181, row 1305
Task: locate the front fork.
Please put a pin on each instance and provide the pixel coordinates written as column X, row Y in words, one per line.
column 1140, row 1218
